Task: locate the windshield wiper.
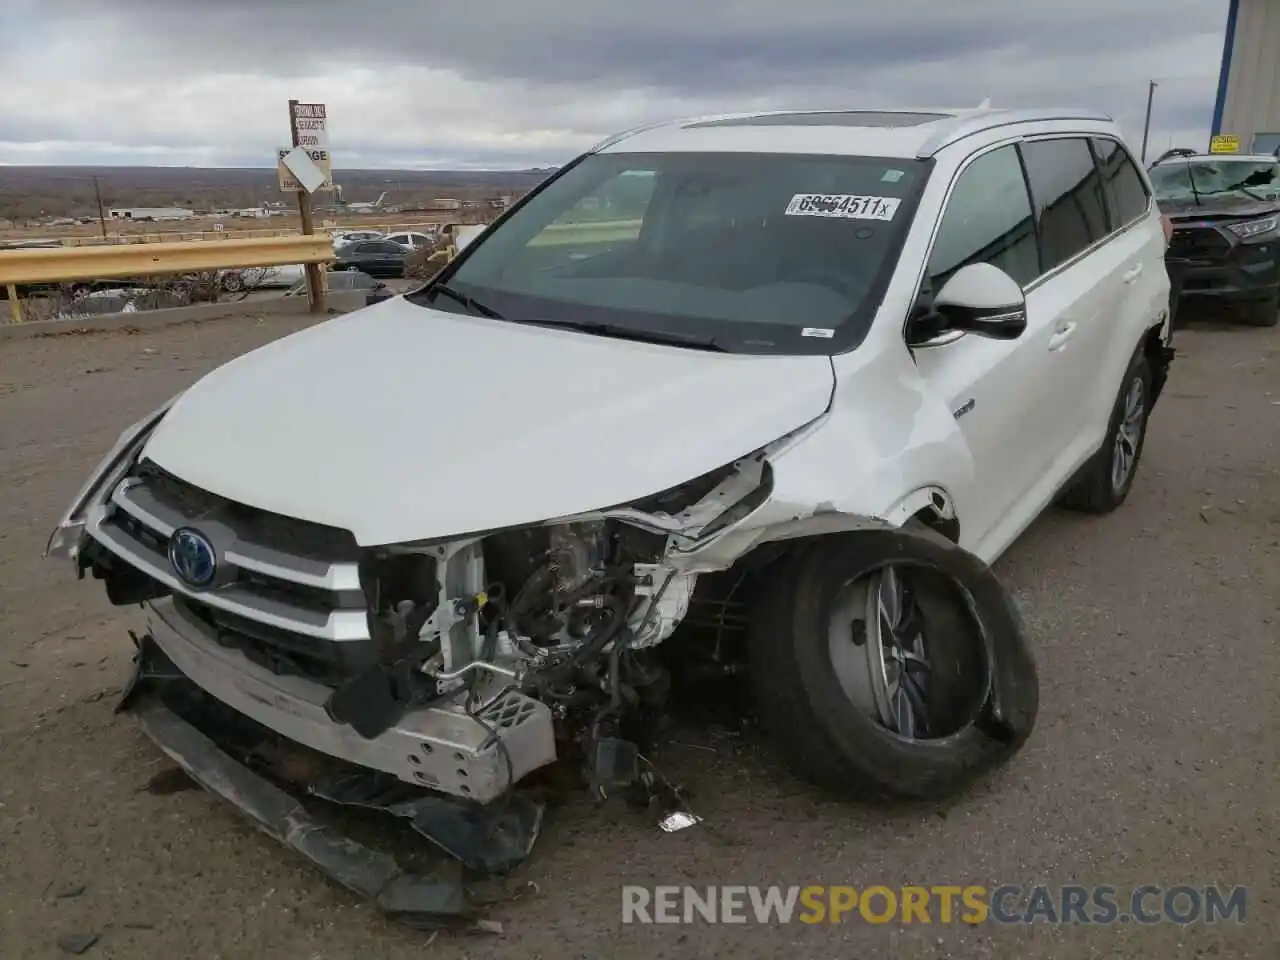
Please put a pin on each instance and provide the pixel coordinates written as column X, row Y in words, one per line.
column 467, row 301
column 627, row 333
column 1246, row 191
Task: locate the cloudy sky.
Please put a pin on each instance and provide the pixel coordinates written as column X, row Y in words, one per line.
column 518, row 83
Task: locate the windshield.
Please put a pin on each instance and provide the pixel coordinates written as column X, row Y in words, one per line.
column 762, row 253
column 1220, row 179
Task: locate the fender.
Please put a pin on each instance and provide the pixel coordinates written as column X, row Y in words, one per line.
column 887, row 449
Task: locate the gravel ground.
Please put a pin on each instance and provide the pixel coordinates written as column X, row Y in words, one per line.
column 1154, row 762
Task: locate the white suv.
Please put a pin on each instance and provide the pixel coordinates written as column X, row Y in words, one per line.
column 785, row 383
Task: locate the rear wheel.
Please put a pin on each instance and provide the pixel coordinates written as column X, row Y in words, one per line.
column 891, row 663
column 1105, row 482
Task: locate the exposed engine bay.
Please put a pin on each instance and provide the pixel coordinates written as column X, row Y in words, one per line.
column 479, row 659
column 563, row 615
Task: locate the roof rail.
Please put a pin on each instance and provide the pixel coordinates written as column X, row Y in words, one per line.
column 947, row 132
column 956, row 113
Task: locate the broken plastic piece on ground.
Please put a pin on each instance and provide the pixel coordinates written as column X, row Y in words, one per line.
column 678, row 820
column 423, row 900
column 667, row 800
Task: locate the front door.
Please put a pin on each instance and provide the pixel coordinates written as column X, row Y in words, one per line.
column 1001, row 392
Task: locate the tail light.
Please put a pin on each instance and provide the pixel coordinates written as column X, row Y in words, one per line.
column 1167, row 225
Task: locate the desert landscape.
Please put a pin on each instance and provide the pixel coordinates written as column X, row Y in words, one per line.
column 38, row 202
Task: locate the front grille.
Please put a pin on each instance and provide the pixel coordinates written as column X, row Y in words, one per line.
column 1198, row 243
column 287, row 577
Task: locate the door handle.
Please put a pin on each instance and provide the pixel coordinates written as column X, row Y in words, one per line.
column 1132, row 274
column 1061, row 334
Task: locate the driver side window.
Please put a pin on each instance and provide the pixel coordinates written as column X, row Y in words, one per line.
column 988, row 219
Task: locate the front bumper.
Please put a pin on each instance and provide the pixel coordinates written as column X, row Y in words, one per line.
column 1250, row 272
column 440, row 747
column 297, row 797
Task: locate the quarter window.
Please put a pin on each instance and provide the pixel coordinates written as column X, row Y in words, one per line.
column 1127, row 195
column 988, row 219
column 1067, row 191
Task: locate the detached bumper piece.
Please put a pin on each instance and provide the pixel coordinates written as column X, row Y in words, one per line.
column 297, row 796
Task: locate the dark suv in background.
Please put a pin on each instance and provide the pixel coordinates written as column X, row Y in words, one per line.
column 1225, row 213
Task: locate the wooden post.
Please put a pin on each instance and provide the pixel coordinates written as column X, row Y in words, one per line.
column 14, row 303
column 102, row 217
column 315, row 287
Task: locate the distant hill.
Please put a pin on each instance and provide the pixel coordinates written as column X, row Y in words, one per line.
column 30, row 192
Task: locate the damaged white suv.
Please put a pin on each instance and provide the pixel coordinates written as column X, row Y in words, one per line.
column 757, row 390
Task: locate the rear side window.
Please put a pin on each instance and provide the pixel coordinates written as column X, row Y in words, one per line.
column 1067, row 191
column 1127, row 195
column 987, row 220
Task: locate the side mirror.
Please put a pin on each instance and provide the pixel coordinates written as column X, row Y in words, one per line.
column 980, row 299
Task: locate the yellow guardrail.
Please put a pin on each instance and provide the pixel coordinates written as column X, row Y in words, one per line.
column 232, row 231
column 106, row 261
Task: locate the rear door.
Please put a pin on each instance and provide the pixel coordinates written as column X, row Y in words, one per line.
column 1081, row 286
column 1139, row 248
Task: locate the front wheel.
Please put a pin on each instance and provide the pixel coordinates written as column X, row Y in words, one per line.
column 1264, row 313
column 891, row 663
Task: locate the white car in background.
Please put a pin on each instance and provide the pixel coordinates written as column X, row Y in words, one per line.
column 343, row 237
column 412, row 240
column 241, row 279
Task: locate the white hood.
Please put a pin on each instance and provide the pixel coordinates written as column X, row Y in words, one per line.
column 400, row 423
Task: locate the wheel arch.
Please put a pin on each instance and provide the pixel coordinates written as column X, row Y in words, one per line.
column 932, row 506
column 1159, row 355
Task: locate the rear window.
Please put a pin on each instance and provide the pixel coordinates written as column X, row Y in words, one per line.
column 1127, row 195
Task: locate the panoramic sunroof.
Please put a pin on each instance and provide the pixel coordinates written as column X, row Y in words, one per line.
column 851, row 118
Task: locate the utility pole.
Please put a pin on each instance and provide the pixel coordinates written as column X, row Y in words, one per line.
column 1146, row 127
column 102, row 217
column 315, row 284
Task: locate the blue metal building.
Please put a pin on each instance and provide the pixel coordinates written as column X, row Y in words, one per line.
column 1248, row 101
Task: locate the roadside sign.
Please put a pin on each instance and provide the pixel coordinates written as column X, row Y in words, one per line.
column 312, row 124
column 301, row 168
column 1224, row 143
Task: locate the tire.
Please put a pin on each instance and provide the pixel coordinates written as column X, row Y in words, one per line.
column 1095, row 489
column 233, row 282
column 1265, row 313
column 824, row 735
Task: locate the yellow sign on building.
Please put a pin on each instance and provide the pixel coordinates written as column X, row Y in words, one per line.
column 1224, row 143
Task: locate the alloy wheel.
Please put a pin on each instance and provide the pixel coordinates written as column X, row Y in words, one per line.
column 1124, row 454
column 879, row 654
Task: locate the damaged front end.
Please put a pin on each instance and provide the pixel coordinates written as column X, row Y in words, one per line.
column 428, row 679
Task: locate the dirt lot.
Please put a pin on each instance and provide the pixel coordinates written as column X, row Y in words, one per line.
column 1154, row 762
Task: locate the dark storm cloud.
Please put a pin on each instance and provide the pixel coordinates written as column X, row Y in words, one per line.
column 707, row 46
column 504, row 82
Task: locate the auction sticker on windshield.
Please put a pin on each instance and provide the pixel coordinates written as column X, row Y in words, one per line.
column 844, row 205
